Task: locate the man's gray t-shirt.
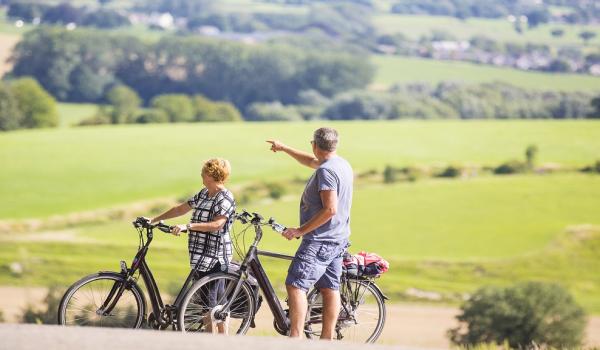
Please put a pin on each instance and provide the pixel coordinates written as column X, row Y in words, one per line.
column 335, row 174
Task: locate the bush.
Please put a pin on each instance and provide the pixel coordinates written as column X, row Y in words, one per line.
column 525, row 315
column 594, row 168
column 274, row 111
column 510, row 167
column 99, row 119
column 450, row 171
column 125, row 103
column 36, row 104
column 10, row 115
column 152, row 116
column 178, row 107
column 104, row 18
column 276, row 190
column 48, row 313
column 206, row 110
column 530, row 155
column 389, row 175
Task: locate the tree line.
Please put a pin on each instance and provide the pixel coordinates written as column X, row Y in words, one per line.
column 82, row 65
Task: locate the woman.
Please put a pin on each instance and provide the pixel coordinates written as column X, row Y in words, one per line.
column 209, row 242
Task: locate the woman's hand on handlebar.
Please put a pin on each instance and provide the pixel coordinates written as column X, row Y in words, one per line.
column 177, row 229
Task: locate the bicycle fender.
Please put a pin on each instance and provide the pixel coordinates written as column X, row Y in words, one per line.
column 376, row 287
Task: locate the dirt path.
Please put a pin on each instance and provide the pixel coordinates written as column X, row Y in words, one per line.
column 412, row 325
column 7, row 43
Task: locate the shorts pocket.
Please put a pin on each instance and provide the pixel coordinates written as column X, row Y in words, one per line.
column 301, row 269
column 327, row 252
column 307, row 251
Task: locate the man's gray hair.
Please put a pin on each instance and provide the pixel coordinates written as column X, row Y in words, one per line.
column 326, row 139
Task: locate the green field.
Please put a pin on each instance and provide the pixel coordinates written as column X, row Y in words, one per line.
column 416, row 26
column 395, row 69
column 72, row 113
column 77, row 169
column 447, row 236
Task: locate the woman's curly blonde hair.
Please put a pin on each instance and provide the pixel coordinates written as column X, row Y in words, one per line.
column 217, row 168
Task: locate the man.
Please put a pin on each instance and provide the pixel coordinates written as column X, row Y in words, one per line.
column 324, row 228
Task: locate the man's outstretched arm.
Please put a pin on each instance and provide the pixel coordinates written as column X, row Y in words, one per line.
column 303, row 158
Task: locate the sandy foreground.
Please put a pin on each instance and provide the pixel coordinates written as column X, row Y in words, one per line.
column 411, row 325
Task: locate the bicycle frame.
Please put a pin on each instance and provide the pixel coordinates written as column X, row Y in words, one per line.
column 158, row 306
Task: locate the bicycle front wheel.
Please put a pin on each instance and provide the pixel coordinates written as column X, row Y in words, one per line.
column 361, row 317
column 208, row 296
column 94, row 301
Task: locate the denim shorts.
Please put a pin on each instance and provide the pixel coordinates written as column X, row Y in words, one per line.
column 318, row 264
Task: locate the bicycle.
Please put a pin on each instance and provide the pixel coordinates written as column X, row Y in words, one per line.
column 362, row 302
column 114, row 299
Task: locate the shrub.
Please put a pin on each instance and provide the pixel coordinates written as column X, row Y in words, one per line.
column 530, row 155
column 101, row 117
column 594, row 168
column 276, row 190
column 36, row 104
column 1, row 317
column 510, row 167
column 10, row 115
column 125, row 103
column 389, row 175
column 274, row 111
column 178, row 107
column 206, row 110
column 450, row 171
column 48, row 313
column 152, row 116
column 525, row 315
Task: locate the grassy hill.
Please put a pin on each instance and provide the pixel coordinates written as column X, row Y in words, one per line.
column 396, row 69
column 77, row 169
column 416, row 26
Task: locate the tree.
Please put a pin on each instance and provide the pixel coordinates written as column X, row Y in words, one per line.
column 530, row 155
column 586, row 36
column 63, row 13
column 125, row 103
column 10, row 115
column 537, row 16
column 26, row 11
column 557, row 33
column 36, row 104
column 104, row 18
column 178, row 107
column 558, row 65
column 530, row 314
column 596, row 105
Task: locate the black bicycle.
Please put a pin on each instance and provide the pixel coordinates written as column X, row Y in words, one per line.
column 361, row 317
column 114, row 299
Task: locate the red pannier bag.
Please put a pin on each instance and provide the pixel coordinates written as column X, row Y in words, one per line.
column 365, row 264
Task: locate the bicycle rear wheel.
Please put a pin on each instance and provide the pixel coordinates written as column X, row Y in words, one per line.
column 362, row 312
column 209, row 295
column 84, row 303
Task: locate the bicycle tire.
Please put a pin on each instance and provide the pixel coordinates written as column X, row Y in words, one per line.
column 80, row 304
column 213, row 291
column 354, row 314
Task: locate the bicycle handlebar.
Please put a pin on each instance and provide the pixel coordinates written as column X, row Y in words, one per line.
column 256, row 219
column 144, row 223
